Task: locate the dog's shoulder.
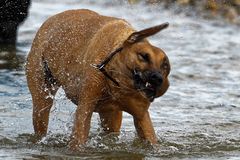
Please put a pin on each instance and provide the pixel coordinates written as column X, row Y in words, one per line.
column 116, row 30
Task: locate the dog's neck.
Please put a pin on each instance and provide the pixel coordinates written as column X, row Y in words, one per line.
column 117, row 43
column 102, row 65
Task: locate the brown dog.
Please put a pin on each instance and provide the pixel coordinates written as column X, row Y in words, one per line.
column 64, row 53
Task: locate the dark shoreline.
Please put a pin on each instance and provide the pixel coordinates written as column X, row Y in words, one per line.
column 227, row 10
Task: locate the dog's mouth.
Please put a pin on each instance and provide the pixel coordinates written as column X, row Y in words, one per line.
column 148, row 82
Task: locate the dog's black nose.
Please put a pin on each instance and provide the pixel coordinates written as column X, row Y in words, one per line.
column 156, row 78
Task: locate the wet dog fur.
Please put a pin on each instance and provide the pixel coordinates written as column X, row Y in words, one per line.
column 63, row 54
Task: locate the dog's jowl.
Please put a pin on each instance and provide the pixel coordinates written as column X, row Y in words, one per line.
column 103, row 65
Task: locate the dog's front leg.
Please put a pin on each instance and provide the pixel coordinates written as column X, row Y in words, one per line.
column 90, row 93
column 81, row 124
column 145, row 128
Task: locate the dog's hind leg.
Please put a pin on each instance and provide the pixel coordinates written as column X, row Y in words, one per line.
column 111, row 120
column 43, row 92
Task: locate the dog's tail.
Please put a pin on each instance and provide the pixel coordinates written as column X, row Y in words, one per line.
column 49, row 79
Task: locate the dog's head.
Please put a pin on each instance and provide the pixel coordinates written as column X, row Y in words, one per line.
column 147, row 65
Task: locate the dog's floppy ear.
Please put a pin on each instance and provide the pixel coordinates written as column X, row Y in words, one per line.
column 138, row 36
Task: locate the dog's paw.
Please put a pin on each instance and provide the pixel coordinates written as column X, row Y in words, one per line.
column 76, row 146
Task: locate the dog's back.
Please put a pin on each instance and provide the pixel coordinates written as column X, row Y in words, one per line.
column 71, row 41
column 67, row 32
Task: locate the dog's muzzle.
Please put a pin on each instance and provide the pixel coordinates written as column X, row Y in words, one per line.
column 148, row 81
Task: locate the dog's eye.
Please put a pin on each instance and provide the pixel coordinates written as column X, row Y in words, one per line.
column 144, row 57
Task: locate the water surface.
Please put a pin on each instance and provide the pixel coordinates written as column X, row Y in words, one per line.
column 198, row 118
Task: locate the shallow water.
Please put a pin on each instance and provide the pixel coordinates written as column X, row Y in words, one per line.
column 198, row 118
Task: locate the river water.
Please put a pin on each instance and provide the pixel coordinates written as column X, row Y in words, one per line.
column 198, row 118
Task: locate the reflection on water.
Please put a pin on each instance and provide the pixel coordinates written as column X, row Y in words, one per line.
column 198, row 118
column 8, row 57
